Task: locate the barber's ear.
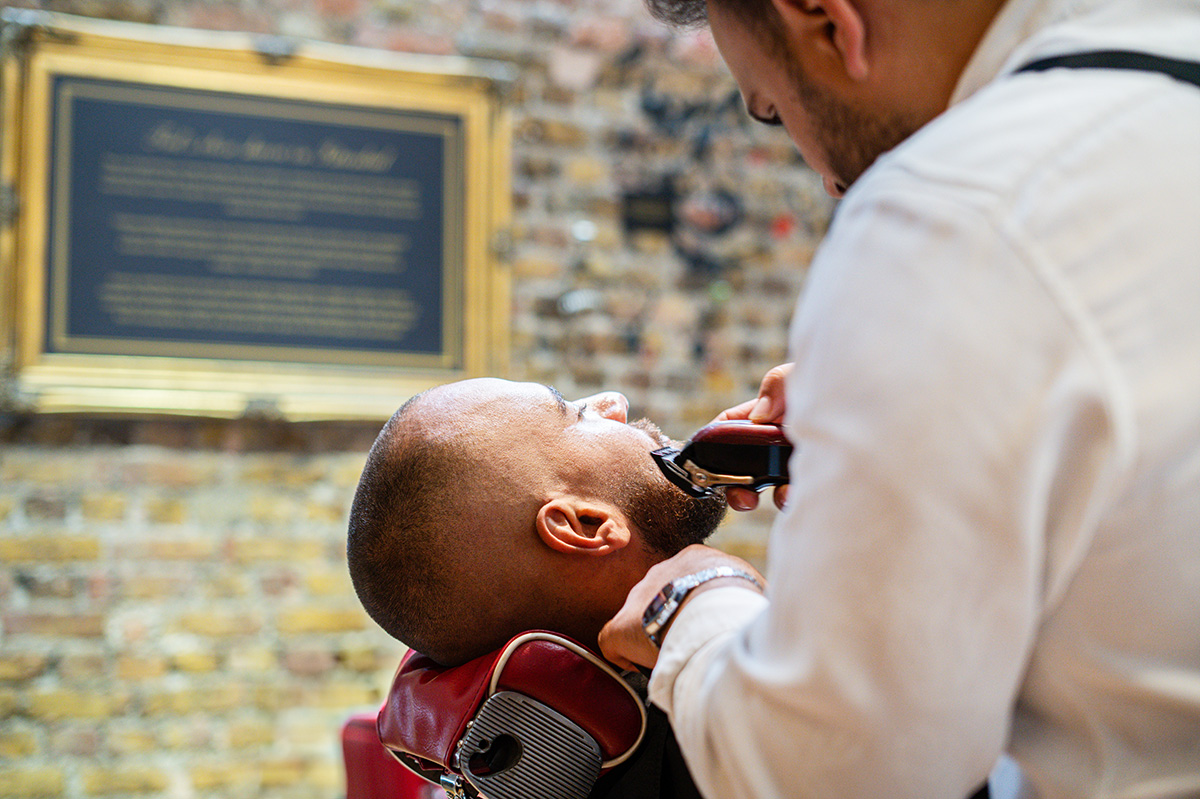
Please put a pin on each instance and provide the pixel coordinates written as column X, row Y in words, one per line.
column 835, row 28
column 578, row 527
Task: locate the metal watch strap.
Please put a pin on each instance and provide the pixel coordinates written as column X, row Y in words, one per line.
column 666, row 603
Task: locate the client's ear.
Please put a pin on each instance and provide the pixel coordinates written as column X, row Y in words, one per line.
column 574, row 526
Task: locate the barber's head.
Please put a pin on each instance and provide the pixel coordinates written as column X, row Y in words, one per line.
column 488, row 507
column 847, row 79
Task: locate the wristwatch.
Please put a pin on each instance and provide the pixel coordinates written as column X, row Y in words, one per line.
column 666, row 602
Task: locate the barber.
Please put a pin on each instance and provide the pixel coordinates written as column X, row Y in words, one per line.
column 991, row 541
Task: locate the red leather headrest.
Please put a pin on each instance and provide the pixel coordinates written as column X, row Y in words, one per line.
column 429, row 706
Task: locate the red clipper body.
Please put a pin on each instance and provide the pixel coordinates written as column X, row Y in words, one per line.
column 732, row 453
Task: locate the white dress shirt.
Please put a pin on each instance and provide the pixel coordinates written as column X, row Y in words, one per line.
column 992, row 541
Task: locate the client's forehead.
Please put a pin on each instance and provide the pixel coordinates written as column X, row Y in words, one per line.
column 492, row 396
column 491, row 408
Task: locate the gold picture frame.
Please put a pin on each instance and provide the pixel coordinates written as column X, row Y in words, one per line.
column 215, row 224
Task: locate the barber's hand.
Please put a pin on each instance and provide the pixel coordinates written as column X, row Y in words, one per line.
column 623, row 641
column 766, row 408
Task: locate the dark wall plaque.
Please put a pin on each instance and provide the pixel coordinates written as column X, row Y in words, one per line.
column 224, row 225
column 268, row 227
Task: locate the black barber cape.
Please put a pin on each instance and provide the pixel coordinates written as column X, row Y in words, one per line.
column 656, row 770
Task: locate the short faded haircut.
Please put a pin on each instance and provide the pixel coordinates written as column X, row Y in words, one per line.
column 395, row 542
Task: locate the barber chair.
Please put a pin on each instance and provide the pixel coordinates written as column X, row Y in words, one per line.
column 541, row 718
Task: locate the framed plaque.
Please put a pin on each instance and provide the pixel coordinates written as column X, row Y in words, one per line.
column 209, row 224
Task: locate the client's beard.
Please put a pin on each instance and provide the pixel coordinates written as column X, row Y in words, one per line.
column 668, row 518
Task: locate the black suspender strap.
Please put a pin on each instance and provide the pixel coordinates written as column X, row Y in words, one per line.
column 1186, row 71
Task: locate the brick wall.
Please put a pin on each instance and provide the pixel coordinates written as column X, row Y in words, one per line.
column 176, row 616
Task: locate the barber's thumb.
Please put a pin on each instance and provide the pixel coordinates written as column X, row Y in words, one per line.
column 767, row 409
column 625, row 645
column 611, row 650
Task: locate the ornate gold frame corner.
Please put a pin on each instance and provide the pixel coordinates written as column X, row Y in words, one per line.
column 113, row 378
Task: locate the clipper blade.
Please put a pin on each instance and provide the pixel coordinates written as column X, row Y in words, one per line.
column 665, row 458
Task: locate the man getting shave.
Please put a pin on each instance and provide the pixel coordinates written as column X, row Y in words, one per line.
column 487, row 508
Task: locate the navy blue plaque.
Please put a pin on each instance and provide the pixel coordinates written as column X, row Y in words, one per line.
column 201, row 224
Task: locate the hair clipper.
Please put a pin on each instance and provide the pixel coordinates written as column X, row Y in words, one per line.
column 732, row 453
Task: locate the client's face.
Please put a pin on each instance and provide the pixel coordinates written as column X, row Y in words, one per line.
column 536, row 436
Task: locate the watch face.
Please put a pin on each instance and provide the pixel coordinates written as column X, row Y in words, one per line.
column 655, row 607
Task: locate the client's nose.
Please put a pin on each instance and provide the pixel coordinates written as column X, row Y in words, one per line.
column 609, row 404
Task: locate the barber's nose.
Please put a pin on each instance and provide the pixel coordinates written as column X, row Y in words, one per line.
column 609, row 404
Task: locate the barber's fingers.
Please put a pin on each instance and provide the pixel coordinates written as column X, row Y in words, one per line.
column 741, row 498
column 746, row 499
column 623, row 642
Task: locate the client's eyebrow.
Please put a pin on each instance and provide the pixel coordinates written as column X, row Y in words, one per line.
column 562, row 403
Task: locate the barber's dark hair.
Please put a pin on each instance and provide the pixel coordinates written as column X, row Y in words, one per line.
column 759, row 16
column 680, row 13
column 392, row 546
column 692, row 13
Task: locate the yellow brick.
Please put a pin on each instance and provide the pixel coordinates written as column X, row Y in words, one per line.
column 252, row 659
column 52, row 548
column 587, row 170
column 104, row 507
column 230, row 585
column 274, row 697
column 149, row 587
column 31, row 782
column 281, row 773
column 303, row 733
column 252, row 550
column 535, row 266
column 346, row 474
column 37, row 468
column 329, row 583
column 219, row 625
column 272, row 509
column 364, row 659
column 186, row 735
column 55, row 705
column 106, row 782
column 212, row 700
column 22, row 666
column 9, row 702
column 337, row 695
column 166, row 510
column 141, row 668
column 222, row 775
column 327, row 512
column 195, row 662
column 128, row 742
column 17, row 744
column 327, row 775
column 321, row 620
column 250, row 733
column 180, row 549
column 72, row 626
column 82, row 667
